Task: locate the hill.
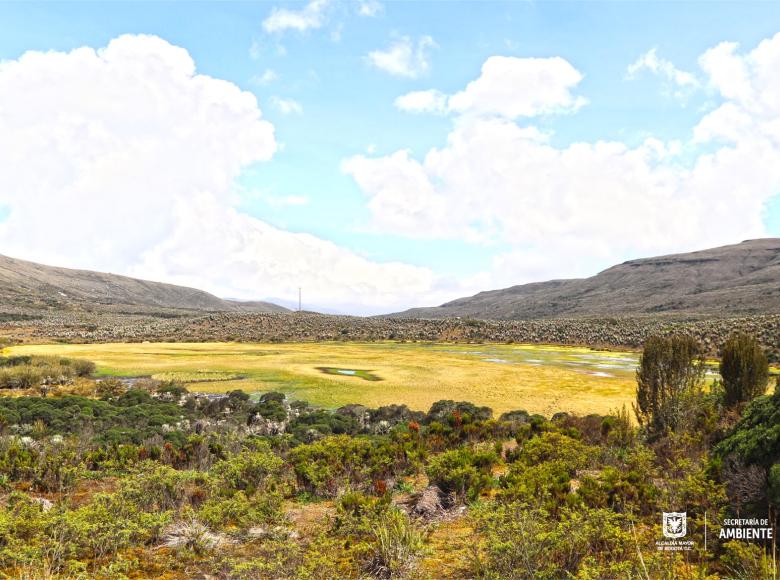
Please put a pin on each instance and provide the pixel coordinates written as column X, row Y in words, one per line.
column 29, row 285
column 731, row 280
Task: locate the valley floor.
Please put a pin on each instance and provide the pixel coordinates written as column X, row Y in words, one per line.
column 539, row 379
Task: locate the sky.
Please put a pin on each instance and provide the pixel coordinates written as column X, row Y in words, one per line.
column 383, row 155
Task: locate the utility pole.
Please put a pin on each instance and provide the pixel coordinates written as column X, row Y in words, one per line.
column 299, row 298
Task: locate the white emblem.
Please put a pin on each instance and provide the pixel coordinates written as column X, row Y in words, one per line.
column 675, row 524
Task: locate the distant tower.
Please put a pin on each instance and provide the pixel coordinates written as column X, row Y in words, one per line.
column 299, row 298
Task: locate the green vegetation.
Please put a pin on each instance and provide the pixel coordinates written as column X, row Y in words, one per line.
column 670, row 381
column 147, row 480
column 540, row 379
column 744, row 368
column 25, row 372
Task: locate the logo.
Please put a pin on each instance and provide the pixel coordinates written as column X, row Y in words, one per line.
column 675, row 524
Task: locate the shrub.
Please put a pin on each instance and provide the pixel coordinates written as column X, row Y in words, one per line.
column 461, row 412
column 342, row 461
column 110, row 388
column 756, row 437
column 357, row 513
column 520, row 541
column 744, row 368
column 154, row 487
column 669, row 382
column 744, row 560
column 396, row 544
column 83, row 368
column 20, row 377
column 545, row 484
column 619, row 490
column 271, row 407
column 247, row 471
column 464, row 472
column 553, row 446
column 25, row 372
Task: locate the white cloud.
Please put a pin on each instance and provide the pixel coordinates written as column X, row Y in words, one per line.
column 430, row 101
column 287, row 106
column 679, row 83
column 311, row 16
column 404, row 58
column 254, row 257
column 124, row 159
column 509, row 87
column 520, row 87
column 750, row 86
column 369, row 8
column 569, row 210
column 268, row 76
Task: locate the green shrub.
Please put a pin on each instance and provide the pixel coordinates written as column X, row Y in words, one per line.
column 553, row 446
column 619, row 490
column 744, row 368
column 457, row 413
column 521, row 541
column 241, row 511
column 83, row 368
column 464, row 472
column 341, row 461
column 756, row 437
column 396, row 545
column 246, row 471
column 670, row 380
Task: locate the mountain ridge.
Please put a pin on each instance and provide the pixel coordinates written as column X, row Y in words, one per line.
column 728, row 280
column 26, row 284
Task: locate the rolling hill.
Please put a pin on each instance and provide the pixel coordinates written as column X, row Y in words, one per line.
column 34, row 286
column 731, row 280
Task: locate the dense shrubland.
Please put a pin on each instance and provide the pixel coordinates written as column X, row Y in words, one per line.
column 630, row 332
column 24, row 372
column 99, row 480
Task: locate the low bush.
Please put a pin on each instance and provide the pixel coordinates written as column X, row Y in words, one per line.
column 464, row 472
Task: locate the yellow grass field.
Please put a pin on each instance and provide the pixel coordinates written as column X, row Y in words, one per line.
column 539, row 379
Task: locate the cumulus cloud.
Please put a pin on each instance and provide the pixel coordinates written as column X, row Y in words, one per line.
column 520, row 87
column 430, row 101
column 311, row 16
column 124, row 159
column 253, row 255
column 508, row 87
column 679, row 83
column 750, row 87
column 569, row 210
column 404, row 58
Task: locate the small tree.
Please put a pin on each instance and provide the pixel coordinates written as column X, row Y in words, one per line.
column 744, row 368
column 669, row 379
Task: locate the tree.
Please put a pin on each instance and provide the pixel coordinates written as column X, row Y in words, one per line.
column 670, row 378
column 744, row 368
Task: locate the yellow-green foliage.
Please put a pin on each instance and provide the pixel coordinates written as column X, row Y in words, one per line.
column 540, row 379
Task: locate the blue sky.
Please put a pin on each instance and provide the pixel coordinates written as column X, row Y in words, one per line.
column 328, row 103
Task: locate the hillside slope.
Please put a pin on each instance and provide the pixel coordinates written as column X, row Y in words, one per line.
column 29, row 285
column 731, row 280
